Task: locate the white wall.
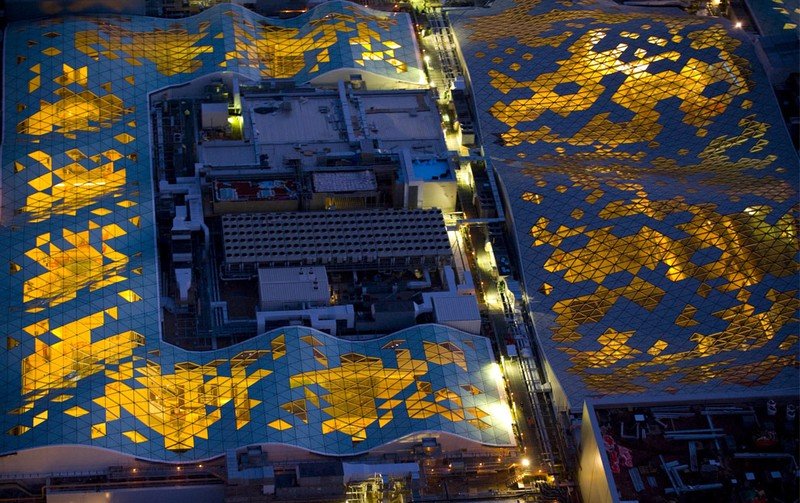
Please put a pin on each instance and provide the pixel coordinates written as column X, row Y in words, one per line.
column 593, row 475
column 469, row 326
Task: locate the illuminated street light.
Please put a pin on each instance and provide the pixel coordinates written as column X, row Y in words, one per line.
column 525, row 462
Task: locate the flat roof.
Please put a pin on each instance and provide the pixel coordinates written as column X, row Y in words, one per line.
column 222, row 153
column 294, row 119
column 456, row 308
column 643, row 448
column 306, row 125
column 344, row 181
column 293, row 284
column 264, row 190
column 393, row 116
column 344, row 236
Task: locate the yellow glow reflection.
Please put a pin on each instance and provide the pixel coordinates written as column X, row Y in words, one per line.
column 84, row 111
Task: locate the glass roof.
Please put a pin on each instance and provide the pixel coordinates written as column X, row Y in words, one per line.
column 84, row 363
column 653, row 188
column 776, row 17
column 297, row 386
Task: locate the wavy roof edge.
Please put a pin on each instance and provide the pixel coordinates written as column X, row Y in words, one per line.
column 413, row 76
column 11, row 461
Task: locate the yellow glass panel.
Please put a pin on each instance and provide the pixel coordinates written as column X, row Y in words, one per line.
column 98, row 430
column 135, row 436
column 38, row 328
column 40, row 418
column 124, row 138
column 19, row 430
column 130, row 295
column 76, row 411
column 279, row 424
column 173, row 51
column 73, row 112
column 34, row 83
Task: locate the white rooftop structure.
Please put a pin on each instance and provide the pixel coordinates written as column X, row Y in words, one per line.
column 226, row 153
column 344, row 181
column 458, row 311
column 288, row 287
column 214, row 115
column 302, row 127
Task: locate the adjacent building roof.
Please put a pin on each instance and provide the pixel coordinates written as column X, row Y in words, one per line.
column 303, row 126
column 264, row 190
column 84, row 363
column 344, row 181
column 292, row 285
column 653, row 191
column 334, row 236
column 775, row 17
column 777, row 22
column 455, row 308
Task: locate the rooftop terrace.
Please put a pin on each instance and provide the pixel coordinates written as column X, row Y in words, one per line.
column 727, row 452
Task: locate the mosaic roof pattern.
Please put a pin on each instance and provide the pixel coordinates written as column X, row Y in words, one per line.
column 298, row 386
column 331, row 36
column 776, row 16
column 83, row 361
column 653, row 192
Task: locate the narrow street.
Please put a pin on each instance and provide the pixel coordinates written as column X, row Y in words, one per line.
column 539, row 434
